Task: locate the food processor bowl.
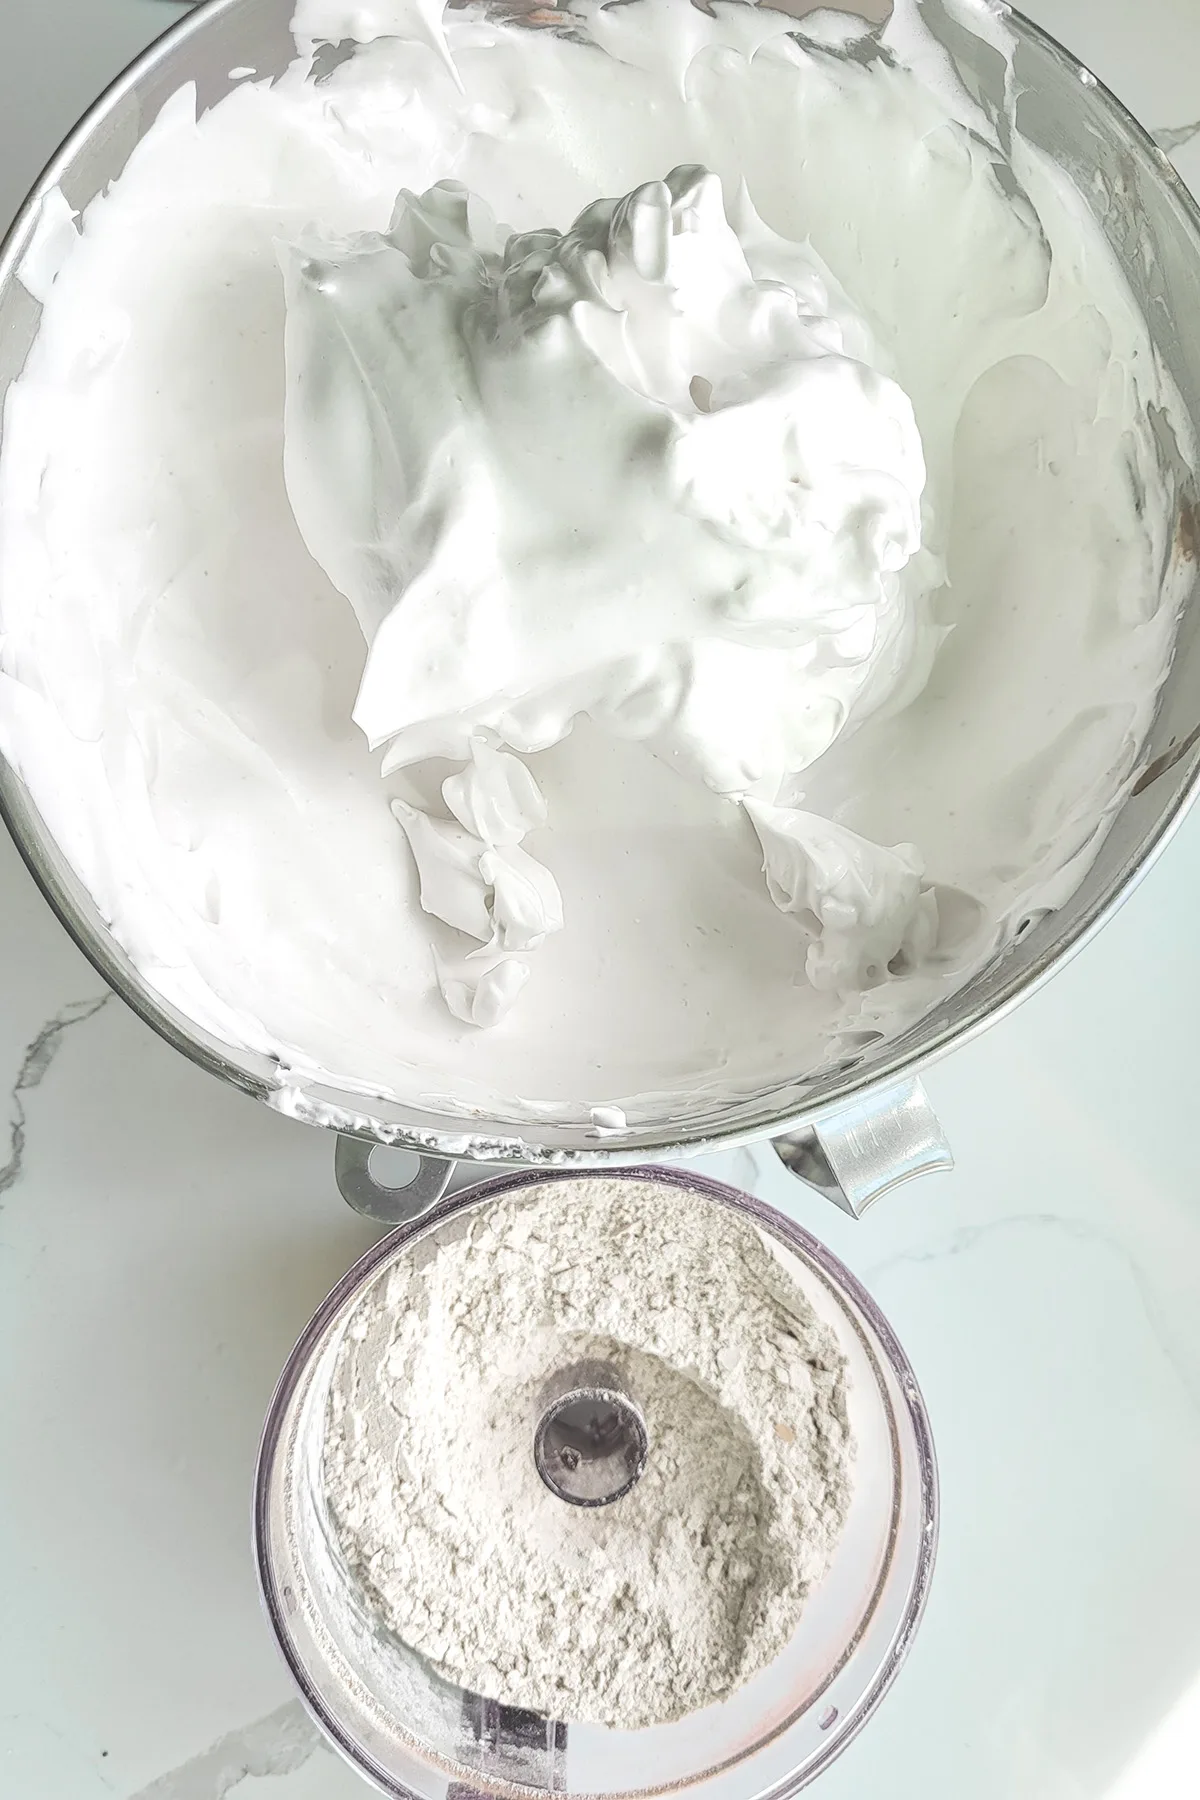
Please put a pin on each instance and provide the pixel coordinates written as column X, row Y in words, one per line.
column 856, row 1128
column 414, row 1733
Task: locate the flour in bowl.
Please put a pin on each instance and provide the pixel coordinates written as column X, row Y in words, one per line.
column 671, row 1597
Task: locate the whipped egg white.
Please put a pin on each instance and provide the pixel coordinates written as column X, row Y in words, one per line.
column 551, row 569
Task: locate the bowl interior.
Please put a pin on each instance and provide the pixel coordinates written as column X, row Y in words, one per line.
column 415, row 1732
column 1153, row 225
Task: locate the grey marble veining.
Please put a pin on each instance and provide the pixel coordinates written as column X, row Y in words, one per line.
column 277, row 1745
column 1174, row 137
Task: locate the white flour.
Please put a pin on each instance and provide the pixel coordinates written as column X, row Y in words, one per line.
column 664, row 1601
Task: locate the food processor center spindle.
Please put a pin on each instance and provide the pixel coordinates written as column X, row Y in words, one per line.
column 590, row 1443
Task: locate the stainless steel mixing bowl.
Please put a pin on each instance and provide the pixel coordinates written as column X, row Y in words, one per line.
column 419, row 1737
column 856, row 1129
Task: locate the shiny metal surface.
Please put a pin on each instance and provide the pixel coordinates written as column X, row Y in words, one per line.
column 1153, row 225
column 590, row 1444
column 375, row 1199
column 854, row 1156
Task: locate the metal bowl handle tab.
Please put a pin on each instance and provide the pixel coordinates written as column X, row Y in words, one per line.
column 376, row 1200
column 851, row 1156
column 857, row 1153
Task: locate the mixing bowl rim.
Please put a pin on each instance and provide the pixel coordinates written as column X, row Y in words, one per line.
column 518, row 1141
column 836, row 1276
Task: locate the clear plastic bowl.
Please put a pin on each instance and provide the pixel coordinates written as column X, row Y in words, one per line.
column 413, row 1733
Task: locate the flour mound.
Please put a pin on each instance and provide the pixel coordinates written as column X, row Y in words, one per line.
column 632, row 1614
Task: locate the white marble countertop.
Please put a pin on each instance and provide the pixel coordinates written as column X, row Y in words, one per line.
column 162, row 1241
